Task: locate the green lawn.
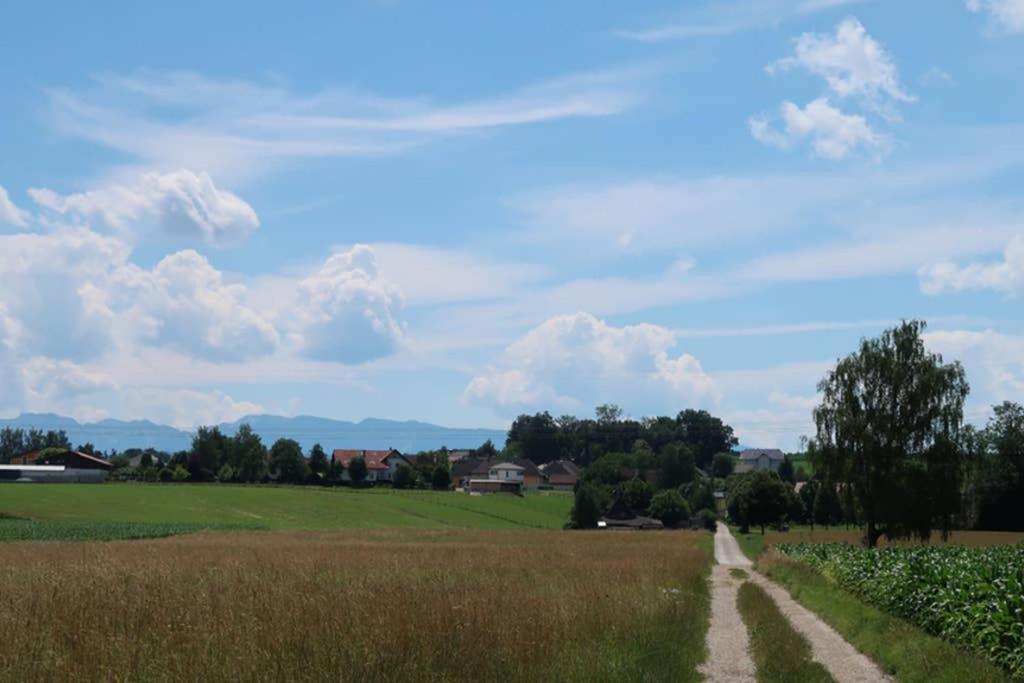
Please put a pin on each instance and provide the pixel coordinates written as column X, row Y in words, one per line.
column 281, row 507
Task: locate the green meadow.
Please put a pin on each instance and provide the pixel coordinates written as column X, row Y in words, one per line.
column 278, row 507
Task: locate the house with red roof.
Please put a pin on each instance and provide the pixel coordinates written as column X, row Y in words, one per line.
column 381, row 465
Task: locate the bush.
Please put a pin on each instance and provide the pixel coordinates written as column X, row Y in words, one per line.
column 405, row 477
column 442, row 478
column 166, row 474
column 636, row 492
column 225, row 473
column 588, row 506
column 180, row 474
column 708, row 519
column 670, row 507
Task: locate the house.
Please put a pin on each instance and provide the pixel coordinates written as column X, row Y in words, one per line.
column 533, row 478
column 458, row 456
column 469, row 468
column 502, row 477
column 561, row 474
column 381, row 465
column 760, row 459
column 56, row 465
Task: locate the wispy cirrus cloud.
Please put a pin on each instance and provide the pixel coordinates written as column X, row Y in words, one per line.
column 233, row 129
column 1006, row 15
column 728, row 17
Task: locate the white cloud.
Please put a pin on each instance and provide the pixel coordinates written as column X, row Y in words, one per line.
column 1005, row 276
column 9, row 213
column 12, row 386
column 52, row 380
column 994, row 362
column 183, row 204
column 184, row 304
column 851, row 62
column 345, row 312
column 1008, row 15
column 53, row 285
column 727, row 17
column 579, row 360
column 832, row 134
column 183, row 408
column 239, row 129
column 436, row 275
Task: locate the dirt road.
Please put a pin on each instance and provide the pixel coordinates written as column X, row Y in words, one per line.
column 728, row 641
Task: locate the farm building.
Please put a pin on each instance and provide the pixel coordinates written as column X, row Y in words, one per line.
column 760, row 459
column 56, row 465
column 621, row 517
column 381, row 465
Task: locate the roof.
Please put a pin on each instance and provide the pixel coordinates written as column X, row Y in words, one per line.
column 456, row 456
column 375, row 460
column 566, row 467
column 32, row 457
column 755, row 453
column 507, row 466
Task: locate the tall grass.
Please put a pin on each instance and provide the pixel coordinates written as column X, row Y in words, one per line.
column 396, row 605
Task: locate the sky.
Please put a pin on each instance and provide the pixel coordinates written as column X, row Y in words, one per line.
column 459, row 212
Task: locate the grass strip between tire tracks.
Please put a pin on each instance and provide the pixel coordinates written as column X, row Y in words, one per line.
column 779, row 652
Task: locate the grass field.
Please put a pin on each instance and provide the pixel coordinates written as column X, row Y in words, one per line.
column 398, row 605
column 275, row 507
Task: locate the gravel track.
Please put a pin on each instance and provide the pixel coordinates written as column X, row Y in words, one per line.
column 729, row 644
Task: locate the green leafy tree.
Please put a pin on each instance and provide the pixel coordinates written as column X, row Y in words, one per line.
column 705, row 435
column 760, row 498
column 405, row 477
column 608, row 413
column 889, row 428
column 248, row 455
column 827, row 508
column 287, row 461
column 588, row 506
column 209, row 448
column 487, row 450
column 535, row 437
column 670, row 507
column 996, row 486
column 167, row 474
column 701, row 494
column 786, row 471
column 676, row 466
column 181, row 474
column 442, row 478
column 723, row 464
column 636, row 492
column 88, row 449
column 808, row 492
column 318, row 464
column 357, row 471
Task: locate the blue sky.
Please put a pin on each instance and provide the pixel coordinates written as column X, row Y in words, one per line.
column 459, row 212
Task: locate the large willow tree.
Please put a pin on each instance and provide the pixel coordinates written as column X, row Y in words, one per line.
column 888, row 429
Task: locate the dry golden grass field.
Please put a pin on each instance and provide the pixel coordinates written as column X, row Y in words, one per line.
column 400, row 605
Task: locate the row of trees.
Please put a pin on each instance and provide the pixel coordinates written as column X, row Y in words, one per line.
column 543, row 438
column 15, row 441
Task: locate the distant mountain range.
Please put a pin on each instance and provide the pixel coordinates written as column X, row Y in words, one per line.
column 408, row 437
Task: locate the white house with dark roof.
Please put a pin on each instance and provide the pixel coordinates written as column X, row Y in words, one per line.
column 760, row 459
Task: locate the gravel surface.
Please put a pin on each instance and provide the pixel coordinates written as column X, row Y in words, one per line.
column 728, row 642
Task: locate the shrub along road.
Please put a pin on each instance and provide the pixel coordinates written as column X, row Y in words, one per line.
column 728, row 642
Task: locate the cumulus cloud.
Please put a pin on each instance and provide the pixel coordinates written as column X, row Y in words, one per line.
column 1008, row 15
column 852, row 63
column 832, row 134
column 184, row 304
column 75, row 295
column 54, row 284
column 11, row 382
column 1005, row 276
column 9, row 213
column 572, row 361
column 345, row 312
column 182, row 204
